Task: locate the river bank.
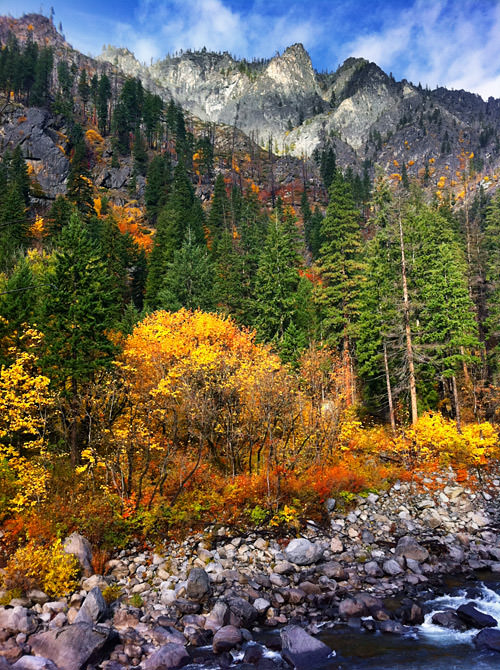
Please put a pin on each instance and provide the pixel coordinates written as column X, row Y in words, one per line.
column 201, row 599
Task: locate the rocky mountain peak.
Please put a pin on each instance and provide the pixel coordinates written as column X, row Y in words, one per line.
column 40, row 27
column 293, row 69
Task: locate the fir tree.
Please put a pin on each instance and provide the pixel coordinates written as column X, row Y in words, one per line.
column 157, row 182
column 219, row 216
column 340, row 269
column 276, row 284
column 491, row 253
column 188, row 280
column 182, row 216
column 79, row 309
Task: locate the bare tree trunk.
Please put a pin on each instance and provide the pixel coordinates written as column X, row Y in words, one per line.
column 457, row 404
column 409, row 345
column 389, row 391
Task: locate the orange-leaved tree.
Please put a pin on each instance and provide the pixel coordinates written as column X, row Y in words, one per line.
column 197, row 387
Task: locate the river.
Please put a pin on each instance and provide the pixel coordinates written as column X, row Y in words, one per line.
column 424, row 647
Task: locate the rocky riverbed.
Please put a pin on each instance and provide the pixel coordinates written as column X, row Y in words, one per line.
column 207, row 599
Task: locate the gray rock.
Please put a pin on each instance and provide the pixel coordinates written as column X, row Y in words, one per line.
column 34, row 663
column 163, row 635
column 473, row 617
column 261, row 605
column 198, row 584
column 449, row 619
column 392, row 627
column 80, row 547
column 372, row 569
column 218, row 617
column 301, row 650
column 226, row 638
column 303, row 552
column 186, row 606
column 284, row 568
column 333, row 570
column 330, row 504
column 93, row 607
column 488, row 639
column 17, row 620
column 352, row 607
column 244, row 612
column 392, row 568
column 35, row 131
column 73, row 647
column 169, row 657
column 118, row 177
column 336, row 545
column 409, row 548
column 37, row 596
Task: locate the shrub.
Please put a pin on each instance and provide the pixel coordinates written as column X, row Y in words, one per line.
column 48, row 568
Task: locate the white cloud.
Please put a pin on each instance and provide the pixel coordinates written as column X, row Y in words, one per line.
column 446, row 43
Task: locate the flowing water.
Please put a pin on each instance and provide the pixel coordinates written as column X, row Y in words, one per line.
column 425, row 647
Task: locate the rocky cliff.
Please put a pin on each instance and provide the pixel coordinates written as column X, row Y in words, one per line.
column 359, row 109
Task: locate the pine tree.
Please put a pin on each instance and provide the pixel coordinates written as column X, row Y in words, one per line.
column 341, row 274
column 276, row 284
column 188, row 280
column 219, row 216
column 229, row 285
column 13, row 225
column 491, row 253
column 79, row 309
column 182, row 214
column 84, row 90
column 139, row 153
column 157, row 182
column 19, row 300
column 80, row 188
column 103, row 95
column 379, row 332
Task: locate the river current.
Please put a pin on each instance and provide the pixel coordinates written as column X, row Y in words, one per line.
column 424, row 647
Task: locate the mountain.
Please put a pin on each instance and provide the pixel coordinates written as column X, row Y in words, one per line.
column 359, row 109
column 281, row 105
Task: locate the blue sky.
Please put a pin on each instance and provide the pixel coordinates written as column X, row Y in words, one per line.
column 454, row 43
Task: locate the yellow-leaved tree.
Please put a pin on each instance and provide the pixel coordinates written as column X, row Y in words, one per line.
column 25, row 400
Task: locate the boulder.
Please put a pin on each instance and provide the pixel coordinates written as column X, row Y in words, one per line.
column 392, row 568
column 226, row 638
column 34, row 663
column 17, row 620
column 410, row 548
column 218, row 617
column 243, row 611
column 352, row 607
column 392, row 627
column 303, row 552
column 253, row 653
column 474, row 618
column 186, row 606
column 169, row 657
column 93, row 607
column 333, row 570
column 198, row 584
column 261, row 605
column 449, row 619
column 372, row 569
column 164, row 635
column 488, row 639
column 301, row 650
column 80, row 547
column 72, row 648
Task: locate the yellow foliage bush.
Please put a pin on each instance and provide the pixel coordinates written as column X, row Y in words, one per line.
column 434, row 437
column 48, row 568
